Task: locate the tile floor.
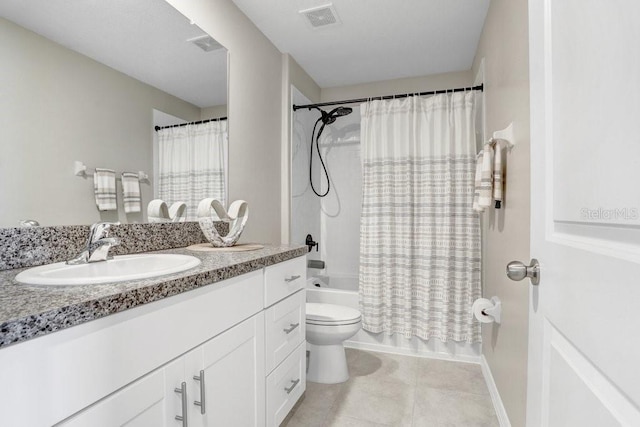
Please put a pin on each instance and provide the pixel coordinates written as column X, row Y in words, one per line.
column 393, row 390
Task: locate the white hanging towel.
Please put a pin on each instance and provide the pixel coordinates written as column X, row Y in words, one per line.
column 498, row 175
column 131, row 197
column 484, row 188
column 104, row 184
column 477, row 183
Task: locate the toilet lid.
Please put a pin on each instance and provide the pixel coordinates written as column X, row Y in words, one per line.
column 331, row 314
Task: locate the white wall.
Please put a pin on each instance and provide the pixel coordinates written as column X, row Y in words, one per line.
column 297, row 88
column 305, row 206
column 340, row 209
column 59, row 106
column 334, row 220
column 398, row 86
column 255, row 109
column 505, row 49
column 213, row 112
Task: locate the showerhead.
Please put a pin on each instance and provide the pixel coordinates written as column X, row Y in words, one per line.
column 331, row 116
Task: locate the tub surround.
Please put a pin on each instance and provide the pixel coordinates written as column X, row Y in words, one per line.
column 30, row 311
column 32, row 246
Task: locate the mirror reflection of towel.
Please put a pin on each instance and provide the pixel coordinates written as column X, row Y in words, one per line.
column 157, row 211
column 104, row 184
column 131, row 192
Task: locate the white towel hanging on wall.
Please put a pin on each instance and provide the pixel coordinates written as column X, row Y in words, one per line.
column 104, row 184
column 490, row 176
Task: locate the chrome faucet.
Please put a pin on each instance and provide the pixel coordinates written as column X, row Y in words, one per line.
column 98, row 245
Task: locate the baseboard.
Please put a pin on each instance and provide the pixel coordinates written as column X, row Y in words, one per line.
column 501, row 412
column 381, row 348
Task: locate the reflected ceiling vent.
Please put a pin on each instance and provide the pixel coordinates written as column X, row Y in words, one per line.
column 321, row 16
column 206, row 43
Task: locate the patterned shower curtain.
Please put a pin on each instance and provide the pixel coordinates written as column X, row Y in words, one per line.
column 192, row 164
column 419, row 236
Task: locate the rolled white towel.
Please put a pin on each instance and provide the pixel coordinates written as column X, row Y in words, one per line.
column 178, row 212
column 157, row 211
column 104, row 185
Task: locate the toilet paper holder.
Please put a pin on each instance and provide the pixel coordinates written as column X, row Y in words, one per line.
column 495, row 311
column 487, row 311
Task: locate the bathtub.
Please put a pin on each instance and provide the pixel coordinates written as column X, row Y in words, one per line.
column 344, row 291
column 333, row 290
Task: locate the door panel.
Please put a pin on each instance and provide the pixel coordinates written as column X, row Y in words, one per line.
column 585, row 224
column 141, row 404
column 234, row 372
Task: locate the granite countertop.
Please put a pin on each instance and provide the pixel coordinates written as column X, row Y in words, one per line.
column 28, row 311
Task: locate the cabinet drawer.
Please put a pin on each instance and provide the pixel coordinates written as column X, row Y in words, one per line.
column 284, row 328
column 283, row 279
column 285, row 385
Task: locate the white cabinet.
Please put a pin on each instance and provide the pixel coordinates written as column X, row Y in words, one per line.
column 284, row 328
column 285, row 337
column 233, row 373
column 124, row 369
column 219, row 383
column 283, row 279
column 65, row 372
column 285, row 385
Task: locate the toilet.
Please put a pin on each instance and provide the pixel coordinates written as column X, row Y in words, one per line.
column 328, row 326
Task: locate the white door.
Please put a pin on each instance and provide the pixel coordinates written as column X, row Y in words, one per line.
column 584, row 342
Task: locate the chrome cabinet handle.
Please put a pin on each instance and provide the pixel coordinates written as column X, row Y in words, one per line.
column 291, row 328
column 292, row 278
column 292, row 386
column 183, row 391
column 201, row 402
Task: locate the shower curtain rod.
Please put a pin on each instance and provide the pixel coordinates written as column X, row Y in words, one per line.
column 191, row 123
column 403, row 95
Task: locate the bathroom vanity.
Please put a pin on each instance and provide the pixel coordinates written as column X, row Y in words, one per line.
column 220, row 344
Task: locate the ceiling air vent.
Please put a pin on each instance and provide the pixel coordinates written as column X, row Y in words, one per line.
column 321, row 16
column 206, row 43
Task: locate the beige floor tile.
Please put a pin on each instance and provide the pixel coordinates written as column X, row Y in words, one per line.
column 351, row 422
column 392, row 390
column 322, row 396
column 307, row 416
column 385, row 366
column 448, row 375
column 446, row 408
column 376, row 400
column 352, row 355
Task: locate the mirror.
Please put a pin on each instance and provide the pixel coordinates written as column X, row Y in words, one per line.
column 88, row 81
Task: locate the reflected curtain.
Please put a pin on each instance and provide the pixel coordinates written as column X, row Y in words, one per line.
column 191, row 164
column 420, row 242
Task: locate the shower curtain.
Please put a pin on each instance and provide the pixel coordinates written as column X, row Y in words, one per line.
column 419, row 236
column 192, row 164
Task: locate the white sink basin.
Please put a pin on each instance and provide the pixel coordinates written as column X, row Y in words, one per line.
column 118, row 269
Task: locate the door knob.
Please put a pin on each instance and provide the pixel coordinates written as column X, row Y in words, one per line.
column 517, row 271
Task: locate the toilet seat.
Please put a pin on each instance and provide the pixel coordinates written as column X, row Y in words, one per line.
column 331, row 315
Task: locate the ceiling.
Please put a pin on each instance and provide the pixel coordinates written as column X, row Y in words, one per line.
column 376, row 40
column 145, row 39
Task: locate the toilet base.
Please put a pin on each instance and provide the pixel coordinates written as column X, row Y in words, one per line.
column 327, row 364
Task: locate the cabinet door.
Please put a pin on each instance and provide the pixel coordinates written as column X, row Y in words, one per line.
column 149, row 402
column 233, row 365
